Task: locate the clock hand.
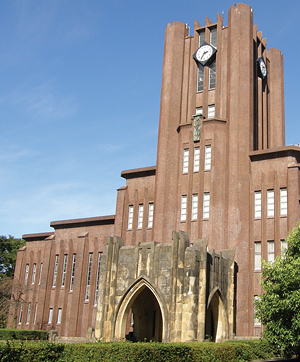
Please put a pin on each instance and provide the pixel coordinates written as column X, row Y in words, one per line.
column 204, row 54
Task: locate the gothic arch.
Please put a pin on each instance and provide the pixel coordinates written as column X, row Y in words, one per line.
column 142, row 285
column 216, row 321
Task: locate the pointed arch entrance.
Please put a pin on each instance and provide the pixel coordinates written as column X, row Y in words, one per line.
column 216, row 323
column 146, row 306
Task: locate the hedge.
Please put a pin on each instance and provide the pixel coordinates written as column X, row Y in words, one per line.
column 21, row 334
column 133, row 352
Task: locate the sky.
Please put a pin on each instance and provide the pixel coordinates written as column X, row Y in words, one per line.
column 80, row 94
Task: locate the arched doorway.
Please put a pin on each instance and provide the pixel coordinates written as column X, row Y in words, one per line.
column 216, row 323
column 141, row 311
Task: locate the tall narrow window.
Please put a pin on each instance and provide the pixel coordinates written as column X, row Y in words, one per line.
column 196, row 159
column 256, row 320
column 194, row 206
column 72, row 272
column 185, row 162
column 212, row 75
column 257, row 255
column 207, row 158
column 213, row 37
column 206, row 201
column 59, row 312
column 40, row 275
column 88, row 278
column 26, row 273
column 270, row 203
column 35, row 312
column 98, row 277
column 284, row 246
column 33, row 273
column 28, row 313
column 201, row 37
column 283, row 201
column 211, row 111
column 150, row 215
column 55, row 271
column 257, row 204
column 21, row 313
column 130, row 216
column 271, row 251
column 64, row 271
column 200, row 76
column 140, row 217
column 183, row 208
column 50, row 315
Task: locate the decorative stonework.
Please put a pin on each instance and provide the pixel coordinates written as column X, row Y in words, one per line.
column 176, row 292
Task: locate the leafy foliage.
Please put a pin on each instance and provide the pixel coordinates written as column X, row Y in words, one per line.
column 21, row 334
column 279, row 308
column 133, row 352
column 8, row 254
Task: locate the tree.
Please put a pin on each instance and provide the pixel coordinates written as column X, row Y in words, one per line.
column 8, row 254
column 279, row 307
column 11, row 290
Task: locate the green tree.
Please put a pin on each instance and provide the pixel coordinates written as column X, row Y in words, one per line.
column 11, row 290
column 279, row 307
column 8, row 254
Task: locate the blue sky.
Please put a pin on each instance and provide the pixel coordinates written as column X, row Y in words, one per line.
column 79, row 97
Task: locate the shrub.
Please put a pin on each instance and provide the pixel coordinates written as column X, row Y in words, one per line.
column 20, row 334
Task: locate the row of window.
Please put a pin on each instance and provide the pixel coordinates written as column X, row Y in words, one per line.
column 141, row 216
column 212, row 67
column 211, row 111
column 33, row 275
column 207, row 159
column 28, row 313
column 270, row 252
column 270, row 203
column 194, row 210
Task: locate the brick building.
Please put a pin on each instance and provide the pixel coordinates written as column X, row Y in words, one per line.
column 224, row 180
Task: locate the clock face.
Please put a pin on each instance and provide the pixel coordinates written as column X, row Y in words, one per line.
column 204, row 53
column 262, row 67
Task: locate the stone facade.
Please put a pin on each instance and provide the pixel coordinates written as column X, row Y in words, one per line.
column 223, row 174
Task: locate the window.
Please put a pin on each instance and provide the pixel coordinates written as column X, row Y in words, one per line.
column 64, row 271
column 55, row 271
column 257, row 204
column 130, row 217
column 207, row 158
column 21, row 313
column 150, row 215
column 270, row 203
column 88, row 278
column 98, row 277
column 185, row 162
column 213, row 37
column 256, row 320
column 200, row 76
column 283, row 201
column 26, row 273
column 183, row 208
column 211, row 111
column 201, row 37
column 40, row 276
column 28, row 313
column 140, row 218
column 72, row 272
column 33, row 273
column 257, row 255
column 212, row 76
column 196, row 159
column 194, row 206
column 284, row 247
column 35, row 312
column 199, row 111
column 271, row 251
column 59, row 315
column 206, row 201
column 50, row 315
